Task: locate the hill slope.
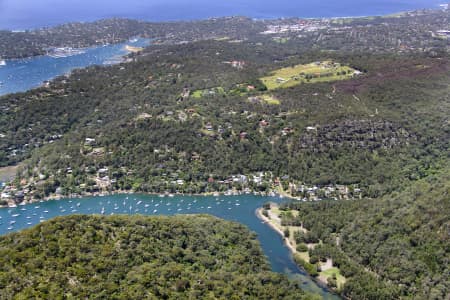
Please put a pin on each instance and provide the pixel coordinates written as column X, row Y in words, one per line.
column 184, row 114
column 403, row 238
column 123, row 257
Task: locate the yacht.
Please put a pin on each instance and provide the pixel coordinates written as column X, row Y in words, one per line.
column 2, row 62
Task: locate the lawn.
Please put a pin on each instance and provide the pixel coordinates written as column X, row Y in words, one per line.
column 270, row 100
column 197, row 94
column 324, row 71
column 340, row 280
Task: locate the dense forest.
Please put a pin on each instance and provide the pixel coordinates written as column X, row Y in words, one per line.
column 194, row 116
column 394, row 247
column 136, row 257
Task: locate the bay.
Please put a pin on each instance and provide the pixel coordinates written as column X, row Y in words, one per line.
column 28, row 14
column 234, row 208
column 19, row 75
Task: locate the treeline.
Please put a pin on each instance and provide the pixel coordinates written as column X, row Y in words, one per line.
column 136, row 257
column 390, row 248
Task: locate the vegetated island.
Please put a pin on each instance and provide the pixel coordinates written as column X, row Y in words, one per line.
column 137, row 257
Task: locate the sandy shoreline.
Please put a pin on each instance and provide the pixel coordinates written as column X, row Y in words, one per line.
column 320, row 281
column 274, row 227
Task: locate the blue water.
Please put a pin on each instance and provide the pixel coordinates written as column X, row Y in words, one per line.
column 23, row 74
column 26, row 14
column 234, row 208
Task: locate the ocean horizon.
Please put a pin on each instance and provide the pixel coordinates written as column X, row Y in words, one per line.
column 28, row 14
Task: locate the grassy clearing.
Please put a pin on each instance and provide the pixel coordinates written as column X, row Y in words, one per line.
column 269, row 99
column 197, row 94
column 340, row 280
column 324, row 71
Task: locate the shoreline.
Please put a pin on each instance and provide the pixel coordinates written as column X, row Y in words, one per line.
column 394, row 13
column 262, row 17
column 266, row 220
column 55, row 197
column 291, row 248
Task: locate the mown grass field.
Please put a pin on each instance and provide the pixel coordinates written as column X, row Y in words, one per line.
column 324, row 71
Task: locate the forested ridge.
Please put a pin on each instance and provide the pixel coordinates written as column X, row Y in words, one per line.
column 393, row 247
column 137, row 257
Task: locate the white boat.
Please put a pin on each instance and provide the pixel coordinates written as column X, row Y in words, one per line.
column 2, row 62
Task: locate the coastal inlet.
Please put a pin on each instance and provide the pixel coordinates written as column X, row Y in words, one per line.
column 19, row 75
column 240, row 209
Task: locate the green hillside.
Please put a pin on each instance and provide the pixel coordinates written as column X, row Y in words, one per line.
column 123, row 257
column 136, row 126
column 390, row 248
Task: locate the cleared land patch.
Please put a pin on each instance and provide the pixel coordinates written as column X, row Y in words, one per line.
column 197, row 94
column 324, row 71
column 264, row 98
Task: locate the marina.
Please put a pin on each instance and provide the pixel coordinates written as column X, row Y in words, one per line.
column 20, row 75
